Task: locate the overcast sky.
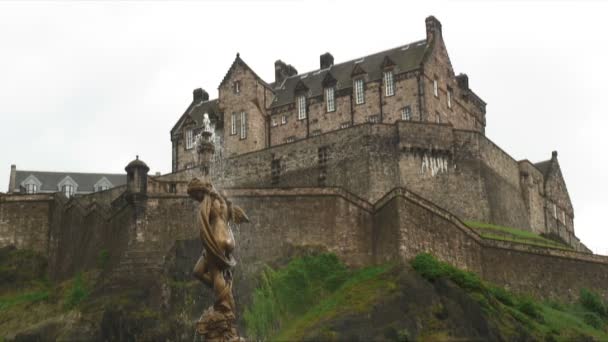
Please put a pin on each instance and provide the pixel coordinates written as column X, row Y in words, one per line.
column 86, row 86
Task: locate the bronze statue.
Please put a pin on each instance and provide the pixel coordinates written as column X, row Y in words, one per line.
column 214, row 267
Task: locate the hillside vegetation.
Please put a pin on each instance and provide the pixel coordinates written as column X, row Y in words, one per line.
column 317, row 298
column 502, row 233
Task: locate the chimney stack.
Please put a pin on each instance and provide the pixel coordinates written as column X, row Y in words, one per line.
column 282, row 71
column 327, row 60
column 12, row 179
column 199, row 94
column 433, row 28
column 463, row 81
column 554, row 155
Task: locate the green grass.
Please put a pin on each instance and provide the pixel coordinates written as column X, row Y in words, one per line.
column 31, row 297
column 501, row 233
column 560, row 321
column 290, row 300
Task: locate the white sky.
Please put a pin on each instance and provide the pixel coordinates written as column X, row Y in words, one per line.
column 86, row 86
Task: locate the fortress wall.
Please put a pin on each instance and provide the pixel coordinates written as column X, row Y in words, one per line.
column 499, row 176
column 532, row 184
column 103, row 197
column 283, row 221
column 24, row 221
column 422, row 227
column 545, row 273
column 456, row 185
column 168, row 219
column 79, row 236
column 347, row 166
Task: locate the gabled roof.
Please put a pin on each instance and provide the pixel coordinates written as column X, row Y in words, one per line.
column 406, row 58
column 86, row 181
column 238, row 61
column 196, row 112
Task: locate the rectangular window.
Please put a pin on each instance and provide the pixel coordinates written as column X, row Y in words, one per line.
column 275, row 171
column 243, row 125
column 406, row 113
column 68, row 190
column 315, row 132
column 290, row 139
column 323, row 155
column 237, row 87
column 283, row 119
column 345, row 125
column 330, row 99
column 449, row 98
column 301, row 102
column 189, row 139
column 31, row 188
column 554, row 211
column 359, row 92
column 389, row 84
column 435, row 88
column 373, row 118
column 564, row 217
column 274, row 122
column 233, row 124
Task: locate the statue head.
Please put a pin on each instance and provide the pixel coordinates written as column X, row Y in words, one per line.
column 198, row 189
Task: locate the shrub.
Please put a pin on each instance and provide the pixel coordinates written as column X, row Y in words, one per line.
column 593, row 320
column 76, row 293
column 502, row 295
column 528, row 307
column 592, row 302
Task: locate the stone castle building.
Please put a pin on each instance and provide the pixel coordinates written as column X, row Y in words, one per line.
column 375, row 159
column 397, row 118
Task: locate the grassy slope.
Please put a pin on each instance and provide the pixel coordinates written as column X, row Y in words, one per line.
column 361, row 289
column 496, row 232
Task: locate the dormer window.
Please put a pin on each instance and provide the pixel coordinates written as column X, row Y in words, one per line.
column 189, row 139
column 31, row 188
column 68, row 190
column 389, row 83
column 301, row 103
column 236, row 87
column 359, row 91
column 435, row 88
column 330, row 99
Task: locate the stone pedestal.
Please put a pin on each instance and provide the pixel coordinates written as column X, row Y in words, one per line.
column 218, row 326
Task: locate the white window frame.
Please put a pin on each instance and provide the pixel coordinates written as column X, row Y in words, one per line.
column 449, row 98
column 330, row 99
column 237, row 87
column 283, row 119
column 31, row 188
column 345, row 125
column 189, row 139
column 243, row 125
column 68, row 190
column 301, row 103
column 359, row 88
column 554, row 211
column 389, row 83
column 435, row 88
column 233, row 124
column 274, row 122
column 406, row 113
column 290, row 139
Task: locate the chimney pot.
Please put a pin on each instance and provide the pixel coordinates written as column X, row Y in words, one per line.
column 433, row 28
column 282, row 71
column 326, row 60
column 199, row 94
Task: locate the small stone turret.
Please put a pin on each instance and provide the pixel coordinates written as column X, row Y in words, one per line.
column 137, row 180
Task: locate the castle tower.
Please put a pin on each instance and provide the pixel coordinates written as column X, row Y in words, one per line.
column 137, row 180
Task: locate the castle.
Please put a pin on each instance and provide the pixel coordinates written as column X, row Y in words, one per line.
column 375, row 159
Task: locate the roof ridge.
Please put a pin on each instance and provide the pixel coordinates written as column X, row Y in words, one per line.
column 358, row 58
column 79, row 173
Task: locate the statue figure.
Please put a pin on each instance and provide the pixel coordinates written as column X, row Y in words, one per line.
column 214, row 267
column 207, row 123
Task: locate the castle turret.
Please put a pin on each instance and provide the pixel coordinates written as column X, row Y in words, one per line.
column 137, row 180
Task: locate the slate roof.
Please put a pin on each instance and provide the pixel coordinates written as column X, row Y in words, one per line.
column 85, row 181
column 544, row 166
column 196, row 112
column 405, row 58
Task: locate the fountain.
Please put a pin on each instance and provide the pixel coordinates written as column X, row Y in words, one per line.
column 214, row 267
